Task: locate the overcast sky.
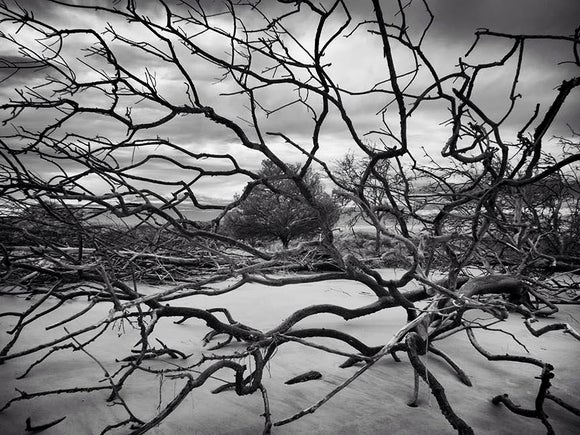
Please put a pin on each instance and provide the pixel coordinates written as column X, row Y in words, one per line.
column 356, row 62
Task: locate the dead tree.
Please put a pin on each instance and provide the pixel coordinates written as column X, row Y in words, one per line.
column 99, row 108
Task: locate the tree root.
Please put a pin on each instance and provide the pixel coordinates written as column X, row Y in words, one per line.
column 414, row 343
column 538, row 411
column 304, row 377
column 553, row 327
column 41, row 427
column 192, row 383
column 458, row 370
column 543, row 393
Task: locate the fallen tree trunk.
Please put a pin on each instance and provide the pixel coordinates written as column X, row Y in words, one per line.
column 496, row 284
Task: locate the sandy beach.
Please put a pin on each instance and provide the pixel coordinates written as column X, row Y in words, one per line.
column 376, row 403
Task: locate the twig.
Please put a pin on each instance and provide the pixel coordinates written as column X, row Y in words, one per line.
column 460, row 373
column 552, row 327
column 266, row 414
column 41, row 427
column 413, row 342
column 384, row 351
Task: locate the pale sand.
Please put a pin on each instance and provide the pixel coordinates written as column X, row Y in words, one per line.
column 374, row 404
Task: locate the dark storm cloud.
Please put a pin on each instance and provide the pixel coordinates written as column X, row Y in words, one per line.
column 16, row 72
column 357, row 63
column 456, row 22
column 452, row 33
column 41, row 9
column 457, row 19
column 10, row 63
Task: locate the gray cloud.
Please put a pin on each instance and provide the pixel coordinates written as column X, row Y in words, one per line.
column 357, row 63
column 458, row 19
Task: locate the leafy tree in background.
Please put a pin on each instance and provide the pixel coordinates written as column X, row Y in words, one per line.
column 383, row 189
column 274, row 211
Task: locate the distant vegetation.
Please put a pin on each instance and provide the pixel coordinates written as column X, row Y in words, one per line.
column 276, row 209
